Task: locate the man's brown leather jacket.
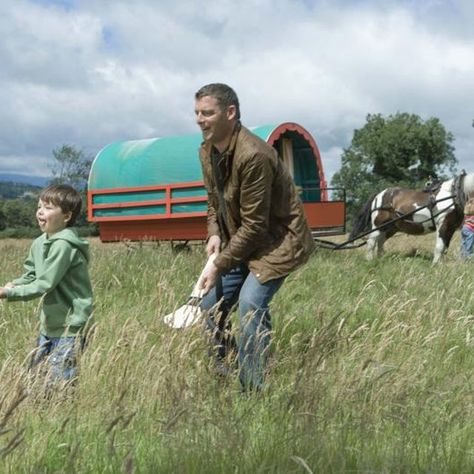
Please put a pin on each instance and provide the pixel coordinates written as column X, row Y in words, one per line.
column 266, row 226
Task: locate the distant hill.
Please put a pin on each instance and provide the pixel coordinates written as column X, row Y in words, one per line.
column 20, row 178
column 12, row 190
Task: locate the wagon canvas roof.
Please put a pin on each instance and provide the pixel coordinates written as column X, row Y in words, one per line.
column 167, row 160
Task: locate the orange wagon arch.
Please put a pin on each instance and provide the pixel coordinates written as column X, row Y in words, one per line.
column 152, row 189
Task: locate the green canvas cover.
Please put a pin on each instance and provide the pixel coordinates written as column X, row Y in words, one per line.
column 163, row 161
column 152, row 161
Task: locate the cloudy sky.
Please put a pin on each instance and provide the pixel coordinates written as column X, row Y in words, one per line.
column 90, row 72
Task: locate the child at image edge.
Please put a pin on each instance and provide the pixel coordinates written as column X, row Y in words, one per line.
column 467, row 232
column 56, row 269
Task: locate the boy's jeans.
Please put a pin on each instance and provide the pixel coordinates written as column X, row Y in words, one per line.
column 59, row 356
column 253, row 297
column 467, row 243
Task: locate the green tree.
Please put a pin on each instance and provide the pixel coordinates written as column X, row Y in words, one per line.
column 71, row 166
column 3, row 221
column 400, row 150
column 19, row 213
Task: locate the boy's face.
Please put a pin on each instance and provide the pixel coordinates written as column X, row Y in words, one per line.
column 51, row 218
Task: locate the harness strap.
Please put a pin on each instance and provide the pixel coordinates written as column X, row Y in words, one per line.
column 431, row 205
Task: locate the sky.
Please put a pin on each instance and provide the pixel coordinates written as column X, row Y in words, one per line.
column 90, row 72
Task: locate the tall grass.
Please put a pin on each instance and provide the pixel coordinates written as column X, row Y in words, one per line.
column 371, row 371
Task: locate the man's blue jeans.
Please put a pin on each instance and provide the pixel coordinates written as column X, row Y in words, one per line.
column 242, row 287
column 59, row 356
column 467, row 243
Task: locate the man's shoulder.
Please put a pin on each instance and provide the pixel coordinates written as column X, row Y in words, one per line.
column 250, row 143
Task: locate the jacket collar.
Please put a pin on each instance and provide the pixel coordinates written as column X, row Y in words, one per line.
column 226, row 158
column 232, row 144
column 233, row 141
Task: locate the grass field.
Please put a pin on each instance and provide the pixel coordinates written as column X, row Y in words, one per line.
column 371, row 372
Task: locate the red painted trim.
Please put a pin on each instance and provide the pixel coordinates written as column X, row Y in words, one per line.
column 183, row 229
column 294, row 127
column 147, row 217
column 157, row 202
column 168, row 202
column 325, row 214
column 158, row 187
column 90, row 217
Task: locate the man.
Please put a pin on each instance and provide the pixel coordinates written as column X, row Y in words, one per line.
column 256, row 228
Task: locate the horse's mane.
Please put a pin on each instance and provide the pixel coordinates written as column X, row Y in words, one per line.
column 361, row 221
column 460, row 196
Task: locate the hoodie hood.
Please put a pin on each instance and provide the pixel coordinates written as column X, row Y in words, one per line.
column 70, row 235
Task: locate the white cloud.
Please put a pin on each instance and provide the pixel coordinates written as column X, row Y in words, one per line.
column 91, row 72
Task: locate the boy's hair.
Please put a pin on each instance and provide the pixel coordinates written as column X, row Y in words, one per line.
column 224, row 95
column 65, row 197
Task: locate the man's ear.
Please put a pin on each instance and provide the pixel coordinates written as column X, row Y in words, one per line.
column 231, row 112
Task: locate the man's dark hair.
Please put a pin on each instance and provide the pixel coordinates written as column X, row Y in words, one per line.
column 65, row 197
column 224, row 95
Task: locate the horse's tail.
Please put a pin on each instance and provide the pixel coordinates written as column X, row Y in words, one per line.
column 361, row 222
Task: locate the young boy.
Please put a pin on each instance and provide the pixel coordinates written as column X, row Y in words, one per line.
column 467, row 232
column 56, row 270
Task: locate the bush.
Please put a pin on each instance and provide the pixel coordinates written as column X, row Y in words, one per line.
column 20, row 233
column 90, row 230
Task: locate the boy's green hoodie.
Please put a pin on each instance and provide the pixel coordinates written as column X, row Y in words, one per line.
column 56, row 267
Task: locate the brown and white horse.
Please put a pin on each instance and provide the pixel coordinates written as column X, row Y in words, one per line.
column 414, row 212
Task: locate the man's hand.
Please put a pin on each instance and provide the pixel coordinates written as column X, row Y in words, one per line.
column 209, row 278
column 213, row 245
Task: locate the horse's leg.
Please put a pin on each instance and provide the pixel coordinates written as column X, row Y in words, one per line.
column 378, row 239
column 380, row 243
column 440, row 248
column 371, row 242
column 375, row 245
column 444, row 233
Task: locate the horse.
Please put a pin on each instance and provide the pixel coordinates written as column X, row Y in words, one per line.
column 437, row 208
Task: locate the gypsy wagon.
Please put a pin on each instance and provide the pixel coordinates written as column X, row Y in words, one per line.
column 152, row 189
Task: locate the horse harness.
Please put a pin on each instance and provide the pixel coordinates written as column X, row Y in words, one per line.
column 458, row 201
column 457, row 195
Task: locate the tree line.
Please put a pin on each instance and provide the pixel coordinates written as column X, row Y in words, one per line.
column 18, row 201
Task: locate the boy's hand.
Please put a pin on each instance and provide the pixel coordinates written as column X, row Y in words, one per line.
column 9, row 285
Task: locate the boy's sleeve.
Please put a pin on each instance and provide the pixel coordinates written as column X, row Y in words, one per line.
column 55, row 266
column 30, row 273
